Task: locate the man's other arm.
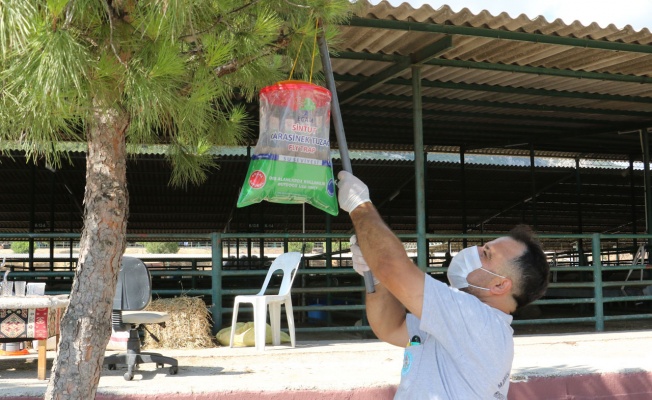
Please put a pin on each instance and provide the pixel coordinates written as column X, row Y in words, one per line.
column 401, row 282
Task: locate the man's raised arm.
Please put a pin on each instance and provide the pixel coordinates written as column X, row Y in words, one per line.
column 384, row 254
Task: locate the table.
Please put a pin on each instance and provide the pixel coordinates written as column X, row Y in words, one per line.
column 26, row 318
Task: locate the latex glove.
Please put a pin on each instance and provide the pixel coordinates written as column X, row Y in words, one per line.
column 351, row 191
column 359, row 264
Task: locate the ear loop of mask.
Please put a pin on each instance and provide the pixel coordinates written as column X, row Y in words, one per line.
column 480, row 287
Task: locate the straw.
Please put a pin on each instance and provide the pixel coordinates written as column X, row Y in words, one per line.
column 187, row 328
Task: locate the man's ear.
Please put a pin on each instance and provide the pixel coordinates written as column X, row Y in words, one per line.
column 501, row 286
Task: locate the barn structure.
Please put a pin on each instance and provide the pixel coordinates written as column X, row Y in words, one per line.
column 462, row 125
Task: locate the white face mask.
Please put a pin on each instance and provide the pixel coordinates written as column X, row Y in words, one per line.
column 465, row 262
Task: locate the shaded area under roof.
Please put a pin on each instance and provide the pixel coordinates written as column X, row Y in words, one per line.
column 492, row 85
column 486, row 198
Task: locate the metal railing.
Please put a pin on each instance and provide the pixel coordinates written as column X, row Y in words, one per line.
column 330, row 295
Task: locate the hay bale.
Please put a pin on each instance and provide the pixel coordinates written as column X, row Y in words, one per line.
column 187, row 328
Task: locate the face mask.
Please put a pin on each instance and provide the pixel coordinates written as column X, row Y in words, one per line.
column 465, row 262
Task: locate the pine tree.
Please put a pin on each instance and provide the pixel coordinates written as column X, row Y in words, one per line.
column 119, row 73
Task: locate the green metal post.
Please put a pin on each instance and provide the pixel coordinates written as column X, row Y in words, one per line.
column 193, row 279
column 580, row 223
column 465, row 224
column 632, row 196
column 53, row 186
column 533, row 187
column 417, row 117
column 597, row 283
column 216, row 281
column 645, row 142
column 329, row 264
column 32, row 216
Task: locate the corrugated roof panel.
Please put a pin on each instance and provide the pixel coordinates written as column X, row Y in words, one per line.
column 502, row 51
column 504, row 21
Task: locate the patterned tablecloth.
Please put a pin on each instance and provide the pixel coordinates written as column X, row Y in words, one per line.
column 25, row 323
column 29, row 317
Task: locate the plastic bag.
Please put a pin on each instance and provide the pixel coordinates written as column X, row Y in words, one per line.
column 291, row 163
column 245, row 335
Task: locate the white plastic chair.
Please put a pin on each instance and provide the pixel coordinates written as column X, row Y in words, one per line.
column 288, row 263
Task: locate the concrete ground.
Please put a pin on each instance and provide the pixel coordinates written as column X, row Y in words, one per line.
column 616, row 365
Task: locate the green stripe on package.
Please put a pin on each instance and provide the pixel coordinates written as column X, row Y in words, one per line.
column 291, row 162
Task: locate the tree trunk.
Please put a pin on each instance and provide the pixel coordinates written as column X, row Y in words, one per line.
column 86, row 324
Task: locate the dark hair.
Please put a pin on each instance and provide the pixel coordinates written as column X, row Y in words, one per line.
column 532, row 265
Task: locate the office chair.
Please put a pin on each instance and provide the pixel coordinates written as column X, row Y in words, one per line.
column 133, row 293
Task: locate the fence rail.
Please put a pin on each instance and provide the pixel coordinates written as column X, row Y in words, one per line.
column 329, row 295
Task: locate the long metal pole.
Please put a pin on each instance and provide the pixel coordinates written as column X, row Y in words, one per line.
column 339, row 128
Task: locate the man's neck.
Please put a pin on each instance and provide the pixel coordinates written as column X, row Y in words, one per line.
column 506, row 303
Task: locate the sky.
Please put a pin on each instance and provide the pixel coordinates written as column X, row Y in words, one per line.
column 637, row 13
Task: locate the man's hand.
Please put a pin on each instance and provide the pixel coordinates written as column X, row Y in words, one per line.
column 359, row 264
column 351, row 191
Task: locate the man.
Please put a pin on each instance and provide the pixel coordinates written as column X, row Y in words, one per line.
column 458, row 340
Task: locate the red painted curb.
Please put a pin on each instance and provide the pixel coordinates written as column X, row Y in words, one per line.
column 609, row 386
column 384, row 393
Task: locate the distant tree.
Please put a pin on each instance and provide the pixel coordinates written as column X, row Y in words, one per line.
column 298, row 246
column 115, row 72
column 341, row 245
column 20, row 247
column 162, row 247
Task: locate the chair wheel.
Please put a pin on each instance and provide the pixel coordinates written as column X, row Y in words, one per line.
column 128, row 376
column 111, row 367
column 160, row 365
column 174, row 370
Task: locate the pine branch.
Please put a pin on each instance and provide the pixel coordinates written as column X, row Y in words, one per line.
column 219, row 20
column 109, row 15
column 68, row 13
column 234, row 64
column 297, row 5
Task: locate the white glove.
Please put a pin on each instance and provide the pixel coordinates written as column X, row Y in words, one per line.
column 351, row 191
column 359, row 264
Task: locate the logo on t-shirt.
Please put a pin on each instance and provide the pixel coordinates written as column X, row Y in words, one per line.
column 498, row 395
column 407, row 362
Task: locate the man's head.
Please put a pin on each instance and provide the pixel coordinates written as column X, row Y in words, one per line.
column 532, row 267
column 514, row 268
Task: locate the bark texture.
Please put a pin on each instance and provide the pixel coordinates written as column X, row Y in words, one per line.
column 86, row 324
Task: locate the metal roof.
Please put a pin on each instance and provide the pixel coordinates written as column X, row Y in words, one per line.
column 493, row 85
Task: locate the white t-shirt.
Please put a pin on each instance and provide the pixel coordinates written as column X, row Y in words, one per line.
column 466, row 349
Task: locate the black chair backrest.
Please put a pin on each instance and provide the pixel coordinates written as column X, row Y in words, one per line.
column 134, row 289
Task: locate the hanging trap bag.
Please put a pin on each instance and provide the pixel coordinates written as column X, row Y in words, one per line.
column 291, row 163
